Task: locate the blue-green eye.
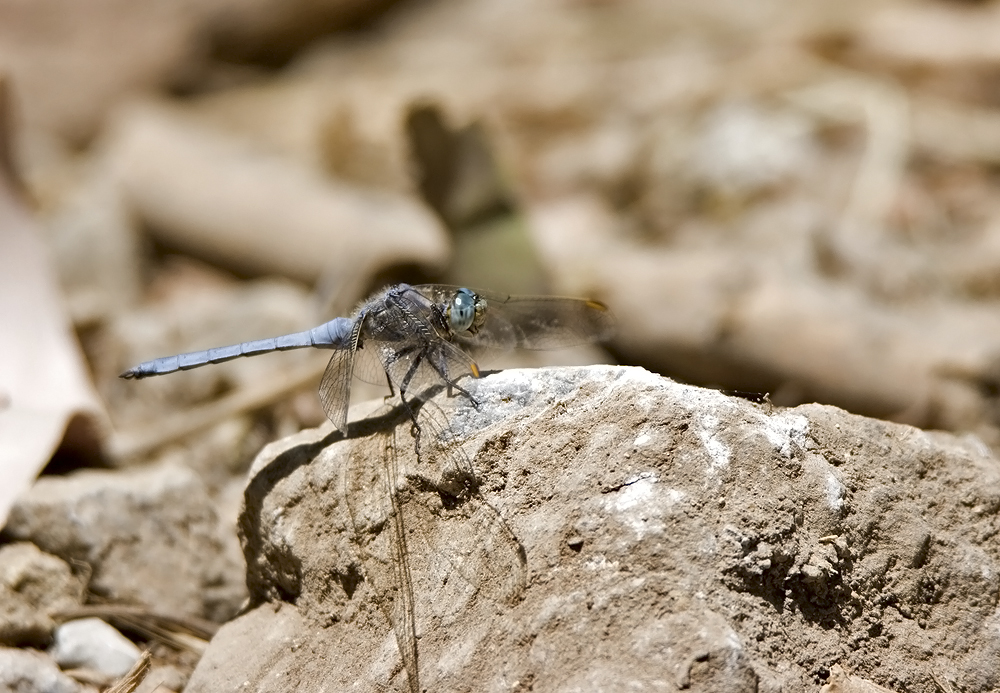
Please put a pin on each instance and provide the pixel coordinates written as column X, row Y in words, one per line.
column 462, row 310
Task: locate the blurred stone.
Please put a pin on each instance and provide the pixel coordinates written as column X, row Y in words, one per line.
column 90, row 643
column 28, row 670
column 95, row 247
column 456, row 169
column 957, row 132
column 33, row 586
column 349, row 135
column 564, row 101
column 606, row 157
column 754, row 316
column 151, row 536
column 744, row 149
column 230, row 201
column 270, row 32
column 929, row 36
column 69, row 90
column 675, row 538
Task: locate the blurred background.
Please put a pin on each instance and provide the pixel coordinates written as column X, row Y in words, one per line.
column 773, row 197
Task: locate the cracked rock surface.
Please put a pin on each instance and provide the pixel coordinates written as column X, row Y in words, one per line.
column 673, row 538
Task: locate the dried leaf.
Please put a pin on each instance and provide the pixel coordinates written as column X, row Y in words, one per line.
column 46, row 396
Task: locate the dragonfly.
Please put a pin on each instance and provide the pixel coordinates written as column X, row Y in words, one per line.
column 416, row 337
column 420, row 339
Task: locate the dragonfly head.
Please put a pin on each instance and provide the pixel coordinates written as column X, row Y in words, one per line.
column 465, row 311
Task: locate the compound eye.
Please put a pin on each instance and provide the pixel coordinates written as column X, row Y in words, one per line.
column 462, row 311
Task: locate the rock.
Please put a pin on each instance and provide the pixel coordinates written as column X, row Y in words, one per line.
column 33, row 585
column 673, row 538
column 150, row 535
column 90, row 643
column 28, row 670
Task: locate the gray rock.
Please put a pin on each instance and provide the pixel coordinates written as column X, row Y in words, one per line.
column 33, row 585
column 90, row 643
column 150, row 535
column 29, row 671
column 675, row 538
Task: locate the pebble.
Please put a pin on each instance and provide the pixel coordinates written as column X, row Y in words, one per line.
column 91, row 643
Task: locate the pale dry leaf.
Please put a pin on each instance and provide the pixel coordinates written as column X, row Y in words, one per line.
column 46, row 397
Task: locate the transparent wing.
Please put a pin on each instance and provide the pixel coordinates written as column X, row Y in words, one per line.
column 368, row 366
column 462, row 534
column 541, row 323
column 374, row 501
column 429, row 543
column 335, row 387
column 384, row 326
column 530, row 322
column 403, row 618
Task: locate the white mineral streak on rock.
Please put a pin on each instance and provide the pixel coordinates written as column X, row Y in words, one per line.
column 716, row 448
column 834, row 492
column 642, row 502
column 785, row 431
column 599, row 562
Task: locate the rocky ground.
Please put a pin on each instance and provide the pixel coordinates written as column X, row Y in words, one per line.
column 792, row 205
column 673, row 538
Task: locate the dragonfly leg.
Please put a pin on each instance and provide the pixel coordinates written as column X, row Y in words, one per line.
column 405, row 383
column 392, row 390
column 452, row 385
column 414, row 426
column 440, row 365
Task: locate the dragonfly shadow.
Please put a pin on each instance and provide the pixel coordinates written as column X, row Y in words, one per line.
column 264, row 481
column 418, row 523
column 431, row 546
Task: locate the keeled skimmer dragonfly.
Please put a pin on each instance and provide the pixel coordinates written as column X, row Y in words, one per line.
column 418, row 336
